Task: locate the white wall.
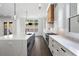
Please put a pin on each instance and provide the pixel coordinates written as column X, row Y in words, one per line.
column 55, row 29
column 40, row 25
column 31, row 10
column 7, row 9
column 59, row 17
column 20, row 27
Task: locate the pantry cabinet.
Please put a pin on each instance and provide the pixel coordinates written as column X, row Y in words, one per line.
column 51, row 14
column 57, row 49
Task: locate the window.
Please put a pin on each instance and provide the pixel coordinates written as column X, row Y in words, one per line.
column 31, row 25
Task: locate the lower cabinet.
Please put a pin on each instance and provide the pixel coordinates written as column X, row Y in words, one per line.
column 57, row 49
column 13, row 47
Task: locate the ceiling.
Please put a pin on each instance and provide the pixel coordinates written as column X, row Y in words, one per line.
column 24, row 9
column 31, row 10
column 7, row 9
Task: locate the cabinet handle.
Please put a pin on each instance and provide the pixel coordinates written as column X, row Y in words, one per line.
column 57, row 50
column 63, row 50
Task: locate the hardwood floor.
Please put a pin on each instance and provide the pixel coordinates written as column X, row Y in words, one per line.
column 40, row 47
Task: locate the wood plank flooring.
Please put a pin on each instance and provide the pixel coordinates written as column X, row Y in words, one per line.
column 40, row 48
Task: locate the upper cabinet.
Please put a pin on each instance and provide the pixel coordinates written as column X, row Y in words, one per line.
column 51, row 14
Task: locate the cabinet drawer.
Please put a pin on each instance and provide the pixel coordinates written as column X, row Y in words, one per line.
column 56, row 52
column 51, row 42
column 59, row 50
column 54, row 47
column 64, row 51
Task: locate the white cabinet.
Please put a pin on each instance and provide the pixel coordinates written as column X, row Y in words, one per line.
column 57, row 49
column 53, row 47
column 13, row 48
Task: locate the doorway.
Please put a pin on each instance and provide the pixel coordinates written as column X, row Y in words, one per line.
column 8, row 28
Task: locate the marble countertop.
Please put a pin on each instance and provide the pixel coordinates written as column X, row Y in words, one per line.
column 16, row 37
column 71, row 45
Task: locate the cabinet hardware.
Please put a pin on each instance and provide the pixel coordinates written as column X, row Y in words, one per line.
column 57, row 50
column 63, row 50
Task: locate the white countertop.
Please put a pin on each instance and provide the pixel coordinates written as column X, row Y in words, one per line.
column 16, row 37
column 71, row 45
column 49, row 31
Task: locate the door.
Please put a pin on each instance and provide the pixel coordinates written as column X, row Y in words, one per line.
column 8, row 28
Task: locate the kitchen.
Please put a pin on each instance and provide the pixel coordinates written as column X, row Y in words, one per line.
column 39, row 29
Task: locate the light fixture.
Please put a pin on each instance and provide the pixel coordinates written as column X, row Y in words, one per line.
column 39, row 6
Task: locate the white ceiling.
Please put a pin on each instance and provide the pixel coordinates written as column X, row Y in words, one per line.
column 23, row 9
column 31, row 9
column 7, row 9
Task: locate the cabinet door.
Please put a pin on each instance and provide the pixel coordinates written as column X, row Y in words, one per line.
column 57, row 49
column 64, row 51
column 56, row 52
column 53, row 47
column 51, row 41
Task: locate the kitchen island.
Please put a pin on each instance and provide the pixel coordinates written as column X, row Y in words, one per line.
column 13, row 46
